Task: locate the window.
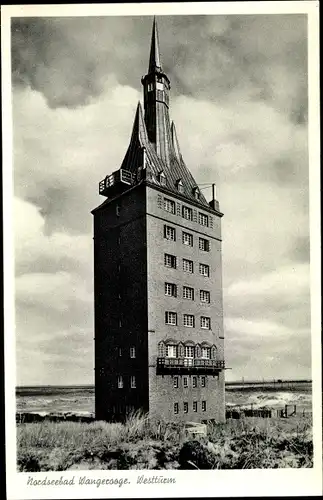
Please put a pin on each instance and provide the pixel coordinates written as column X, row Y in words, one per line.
column 185, row 407
column 189, row 320
column 120, row 352
column 205, row 322
column 187, row 213
column 132, row 352
column 162, row 178
column 170, row 260
column 204, row 296
column 169, row 205
column 176, row 408
column 185, row 382
column 203, row 405
column 159, row 86
column 188, row 293
column 206, row 353
column 188, row 266
column 120, row 382
column 203, row 219
column 175, row 382
column 189, row 352
column 171, row 351
column 118, row 208
column 180, row 186
column 196, row 193
column 170, row 318
column 187, row 239
column 203, row 380
column 195, row 406
column 204, row 245
column 194, row 381
column 204, row 270
column 133, row 382
column 169, row 233
column 171, row 289
column 150, row 87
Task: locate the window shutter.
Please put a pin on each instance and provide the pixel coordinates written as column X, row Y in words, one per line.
column 174, row 234
column 194, row 215
column 175, row 290
column 165, row 233
column 213, row 352
column 197, row 351
column 178, row 209
column 181, row 350
column 211, row 222
column 160, row 201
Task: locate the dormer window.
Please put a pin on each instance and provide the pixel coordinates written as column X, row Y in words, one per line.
column 162, row 178
column 180, row 186
column 150, row 87
column 196, row 193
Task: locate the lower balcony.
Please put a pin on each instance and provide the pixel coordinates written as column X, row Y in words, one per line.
column 189, row 366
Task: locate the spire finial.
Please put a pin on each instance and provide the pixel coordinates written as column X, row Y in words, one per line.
column 154, row 59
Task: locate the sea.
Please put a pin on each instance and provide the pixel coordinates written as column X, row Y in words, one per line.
column 80, row 399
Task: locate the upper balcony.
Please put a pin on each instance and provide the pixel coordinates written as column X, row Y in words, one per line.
column 115, row 183
column 189, row 366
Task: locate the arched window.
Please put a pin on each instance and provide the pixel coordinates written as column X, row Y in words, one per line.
column 162, row 178
column 180, row 186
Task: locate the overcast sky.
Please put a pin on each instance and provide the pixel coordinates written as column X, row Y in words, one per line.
column 239, row 101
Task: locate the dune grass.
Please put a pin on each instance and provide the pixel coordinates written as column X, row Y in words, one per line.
column 141, row 443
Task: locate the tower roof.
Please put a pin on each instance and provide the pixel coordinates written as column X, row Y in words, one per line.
column 154, row 59
column 154, row 145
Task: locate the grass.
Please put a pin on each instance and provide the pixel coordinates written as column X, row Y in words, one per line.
column 141, row 443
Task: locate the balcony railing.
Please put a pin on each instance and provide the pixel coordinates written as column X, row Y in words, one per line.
column 189, row 365
column 110, row 182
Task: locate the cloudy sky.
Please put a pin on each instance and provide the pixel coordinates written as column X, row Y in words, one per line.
column 239, row 101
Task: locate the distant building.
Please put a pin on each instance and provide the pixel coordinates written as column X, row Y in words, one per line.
column 157, row 276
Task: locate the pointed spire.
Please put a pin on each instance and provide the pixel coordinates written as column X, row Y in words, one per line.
column 154, row 59
column 175, row 142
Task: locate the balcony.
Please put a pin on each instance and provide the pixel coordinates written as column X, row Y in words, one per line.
column 183, row 366
column 115, row 183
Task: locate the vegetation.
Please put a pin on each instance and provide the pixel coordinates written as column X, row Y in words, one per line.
column 141, row 443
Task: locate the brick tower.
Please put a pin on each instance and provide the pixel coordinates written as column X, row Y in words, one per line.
column 157, row 276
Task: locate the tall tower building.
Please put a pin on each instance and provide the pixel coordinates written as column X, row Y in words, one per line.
column 157, row 276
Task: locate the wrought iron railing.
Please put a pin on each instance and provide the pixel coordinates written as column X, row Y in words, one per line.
column 190, row 363
column 121, row 175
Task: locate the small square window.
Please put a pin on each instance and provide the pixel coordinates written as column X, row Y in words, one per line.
column 203, row 405
column 185, row 407
column 204, row 245
column 169, row 205
column 175, row 382
column 176, row 408
column 203, row 381
column 133, row 382
column 185, row 382
column 170, row 260
column 171, row 318
column 188, row 266
column 194, row 381
column 189, row 320
column 203, row 219
column 132, row 352
column 204, row 270
column 188, row 293
column 205, row 296
column 171, row 289
column 169, row 233
column 187, row 213
column 187, row 239
column 205, row 322
column 194, row 406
